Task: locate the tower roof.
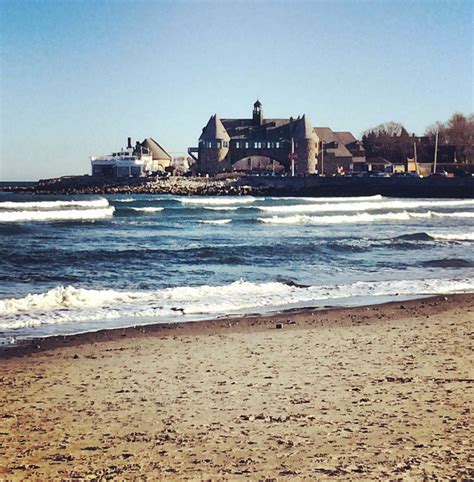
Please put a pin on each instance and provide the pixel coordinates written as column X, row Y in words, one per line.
column 214, row 130
column 257, row 104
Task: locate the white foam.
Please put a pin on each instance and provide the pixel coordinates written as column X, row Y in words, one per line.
column 361, row 218
column 221, row 208
column 148, row 209
column 39, row 205
column 363, row 206
column 125, row 200
column 215, row 221
column 332, row 199
column 341, row 219
column 218, row 201
column 61, row 215
column 76, row 305
column 453, row 236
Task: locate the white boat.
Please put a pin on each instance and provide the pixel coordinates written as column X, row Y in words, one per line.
column 130, row 162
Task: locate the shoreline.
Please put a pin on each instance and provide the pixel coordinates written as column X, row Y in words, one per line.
column 374, row 392
column 232, row 185
column 227, row 324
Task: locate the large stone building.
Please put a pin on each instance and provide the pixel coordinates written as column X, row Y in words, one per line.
column 225, row 142
column 290, row 145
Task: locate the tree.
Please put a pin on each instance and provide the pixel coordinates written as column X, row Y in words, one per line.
column 389, row 140
column 458, row 131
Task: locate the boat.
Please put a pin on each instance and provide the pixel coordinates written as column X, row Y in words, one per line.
column 129, row 162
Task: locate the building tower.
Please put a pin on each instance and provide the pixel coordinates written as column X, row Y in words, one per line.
column 214, row 147
column 257, row 114
column 305, row 141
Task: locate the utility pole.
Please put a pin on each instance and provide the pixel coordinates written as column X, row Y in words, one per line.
column 322, row 158
column 292, row 158
column 416, row 159
column 435, row 152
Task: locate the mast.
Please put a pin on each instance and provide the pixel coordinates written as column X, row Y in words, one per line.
column 435, row 152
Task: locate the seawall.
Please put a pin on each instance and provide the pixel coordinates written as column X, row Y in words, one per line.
column 314, row 186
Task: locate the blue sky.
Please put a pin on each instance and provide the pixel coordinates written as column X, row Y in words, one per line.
column 78, row 77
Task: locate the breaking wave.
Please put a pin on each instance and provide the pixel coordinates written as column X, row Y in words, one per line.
column 148, row 209
column 221, row 208
column 60, row 215
column 362, row 206
column 75, row 305
column 214, row 221
column 376, row 197
column 453, row 236
column 20, row 206
column 219, row 201
column 361, row 218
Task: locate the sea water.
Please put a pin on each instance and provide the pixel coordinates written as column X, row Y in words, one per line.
column 82, row 263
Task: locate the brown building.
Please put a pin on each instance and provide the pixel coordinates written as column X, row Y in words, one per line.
column 287, row 144
column 338, row 152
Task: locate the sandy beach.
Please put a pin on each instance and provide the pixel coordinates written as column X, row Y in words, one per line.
column 379, row 392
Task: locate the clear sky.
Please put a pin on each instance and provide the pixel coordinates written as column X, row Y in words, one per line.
column 78, row 77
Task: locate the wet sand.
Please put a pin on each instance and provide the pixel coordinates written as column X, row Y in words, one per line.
column 380, row 392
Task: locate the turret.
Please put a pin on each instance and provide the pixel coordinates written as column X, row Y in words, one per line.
column 214, row 147
column 305, row 140
column 257, row 114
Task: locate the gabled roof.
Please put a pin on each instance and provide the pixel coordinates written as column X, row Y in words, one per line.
column 157, row 151
column 326, row 135
column 345, row 137
column 214, row 130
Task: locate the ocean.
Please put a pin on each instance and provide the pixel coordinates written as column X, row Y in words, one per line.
column 71, row 264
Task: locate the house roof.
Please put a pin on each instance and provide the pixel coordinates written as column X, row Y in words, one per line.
column 345, row 137
column 214, row 130
column 327, row 136
column 157, row 151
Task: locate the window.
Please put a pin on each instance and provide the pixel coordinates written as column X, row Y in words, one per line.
column 246, row 145
column 277, row 145
column 269, row 145
column 218, row 144
column 225, row 143
column 237, row 145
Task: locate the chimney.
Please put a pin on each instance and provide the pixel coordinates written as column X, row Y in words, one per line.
column 129, row 145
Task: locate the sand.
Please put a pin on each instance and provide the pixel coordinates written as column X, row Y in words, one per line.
column 381, row 392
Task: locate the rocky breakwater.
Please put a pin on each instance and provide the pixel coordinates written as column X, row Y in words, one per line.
column 182, row 186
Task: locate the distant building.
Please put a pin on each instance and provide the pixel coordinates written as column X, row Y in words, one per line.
column 273, row 145
column 144, row 159
column 338, row 152
column 288, row 144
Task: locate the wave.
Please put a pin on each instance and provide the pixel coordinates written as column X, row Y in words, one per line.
column 148, row 209
column 75, row 305
column 342, row 219
column 362, row 206
column 125, row 200
column 453, row 236
column 361, row 218
column 221, row 208
column 376, row 197
column 214, row 221
column 448, row 263
column 14, row 205
column 219, row 201
column 61, row 215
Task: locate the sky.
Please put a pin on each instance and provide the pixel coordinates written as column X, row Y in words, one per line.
column 79, row 76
